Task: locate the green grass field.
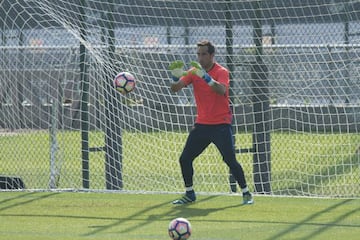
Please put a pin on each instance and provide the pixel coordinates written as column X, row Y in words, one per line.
column 81, row 215
column 317, row 164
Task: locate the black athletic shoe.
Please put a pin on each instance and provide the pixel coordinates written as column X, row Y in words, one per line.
column 189, row 197
column 247, row 198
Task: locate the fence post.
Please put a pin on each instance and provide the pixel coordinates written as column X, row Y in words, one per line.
column 84, row 80
column 113, row 134
column 261, row 108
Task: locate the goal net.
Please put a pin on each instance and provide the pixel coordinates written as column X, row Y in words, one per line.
column 295, row 94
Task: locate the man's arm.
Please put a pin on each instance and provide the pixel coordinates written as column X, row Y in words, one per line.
column 217, row 87
column 177, row 86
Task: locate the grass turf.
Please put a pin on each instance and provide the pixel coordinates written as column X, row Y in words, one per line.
column 84, row 215
column 301, row 163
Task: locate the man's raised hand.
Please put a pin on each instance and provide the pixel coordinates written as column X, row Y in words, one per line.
column 199, row 71
column 177, row 70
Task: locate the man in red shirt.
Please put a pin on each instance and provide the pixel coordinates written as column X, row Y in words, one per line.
column 211, row 84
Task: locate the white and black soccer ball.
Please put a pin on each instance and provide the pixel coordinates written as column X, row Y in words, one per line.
column 124, row 82
column 179, row 229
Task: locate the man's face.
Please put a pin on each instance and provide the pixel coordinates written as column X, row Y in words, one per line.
column 204, row 57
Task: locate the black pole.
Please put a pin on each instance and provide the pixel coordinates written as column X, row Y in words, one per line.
column 347, row 49
column 273, row 33
column 168, row 35
column 230, row 65
column 261, row 106
column 84, row 80
column 113, row 136
column 20, row 88
column 229, row 46
column 187, row 34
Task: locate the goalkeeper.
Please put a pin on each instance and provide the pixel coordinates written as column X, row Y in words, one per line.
column 210, row 83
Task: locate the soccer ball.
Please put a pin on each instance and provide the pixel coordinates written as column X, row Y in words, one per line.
column 124, row 82
column 179, row 229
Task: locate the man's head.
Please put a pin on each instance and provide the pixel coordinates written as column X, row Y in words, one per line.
column 205, row 54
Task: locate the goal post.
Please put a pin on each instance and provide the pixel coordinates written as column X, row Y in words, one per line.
column 84, row 81
column 113, row 143
column 261, row 108
column 295, row 87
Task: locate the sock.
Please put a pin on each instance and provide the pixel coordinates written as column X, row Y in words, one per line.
column 189, row 189
column 244, row 190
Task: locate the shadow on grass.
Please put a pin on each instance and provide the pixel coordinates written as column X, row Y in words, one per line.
column 191, row 210
column 22, row 199
column 143, row 217
column 321, row 227
column 176, row 211
column 196, row 210
column 173, row 211
column 187, row 211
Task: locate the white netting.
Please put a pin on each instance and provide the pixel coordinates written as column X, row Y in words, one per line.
column 295, row 94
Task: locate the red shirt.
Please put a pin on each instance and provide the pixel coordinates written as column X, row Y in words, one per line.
column 212, row 108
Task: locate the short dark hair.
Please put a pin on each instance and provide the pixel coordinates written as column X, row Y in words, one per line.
column 211, row 47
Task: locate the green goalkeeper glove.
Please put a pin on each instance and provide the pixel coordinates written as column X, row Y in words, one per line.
column 199, row 71
column 177, row 70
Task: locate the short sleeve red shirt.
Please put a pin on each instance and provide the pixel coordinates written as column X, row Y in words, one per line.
column 212, row 108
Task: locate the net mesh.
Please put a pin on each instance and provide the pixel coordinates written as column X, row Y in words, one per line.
column 296, row 122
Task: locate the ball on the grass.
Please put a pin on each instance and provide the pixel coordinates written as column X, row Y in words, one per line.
column 179, row 229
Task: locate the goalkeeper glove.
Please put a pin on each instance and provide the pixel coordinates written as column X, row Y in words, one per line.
column 199, row 71
column 176, row 69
